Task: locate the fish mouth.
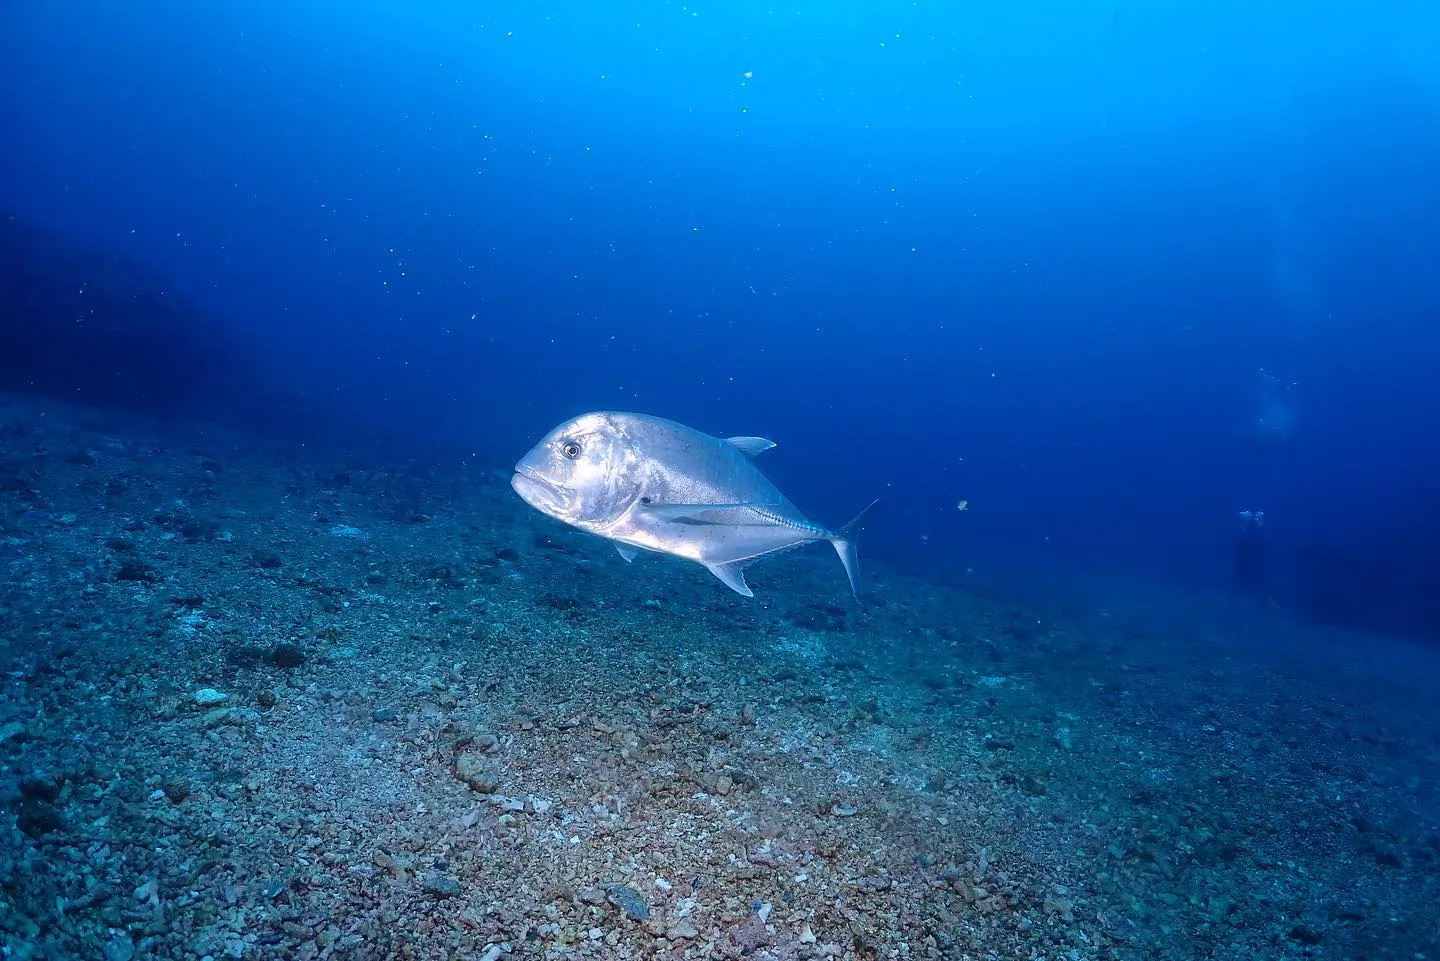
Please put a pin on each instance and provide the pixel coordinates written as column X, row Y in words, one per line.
column 537, row 492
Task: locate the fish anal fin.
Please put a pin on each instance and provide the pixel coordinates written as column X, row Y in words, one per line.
column 750, row 446
column 733, row 575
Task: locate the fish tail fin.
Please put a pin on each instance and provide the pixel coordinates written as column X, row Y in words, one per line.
column 843, row 540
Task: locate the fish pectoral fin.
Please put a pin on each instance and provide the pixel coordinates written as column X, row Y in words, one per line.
column 750, row 446
column 733, row 574
column 627, row 552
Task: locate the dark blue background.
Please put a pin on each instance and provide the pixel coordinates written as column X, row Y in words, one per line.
column 1032, row 255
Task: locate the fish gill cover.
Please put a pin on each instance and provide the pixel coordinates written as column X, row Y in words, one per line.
column 1126, row 312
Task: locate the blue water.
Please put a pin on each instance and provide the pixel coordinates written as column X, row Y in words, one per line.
column 1034, row 257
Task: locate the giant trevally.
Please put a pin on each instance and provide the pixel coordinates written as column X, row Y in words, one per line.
column 648, row 483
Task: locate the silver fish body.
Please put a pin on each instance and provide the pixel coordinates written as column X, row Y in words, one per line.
column 652, row 484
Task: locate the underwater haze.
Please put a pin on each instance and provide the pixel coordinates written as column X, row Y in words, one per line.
column 1126, row 311
column 1034, row 256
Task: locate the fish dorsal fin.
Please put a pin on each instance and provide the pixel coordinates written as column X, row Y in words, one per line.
column 626, row 552
column 750, row 446
column 734, row 577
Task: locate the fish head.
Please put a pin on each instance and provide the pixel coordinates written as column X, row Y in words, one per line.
column 583, row 472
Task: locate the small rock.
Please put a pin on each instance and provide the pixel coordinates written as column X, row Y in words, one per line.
column 209, row 697
column 440, row 886
column 287, row 656
column 216, row 718
column 1059, row 906
column 119, row 947
column 147, row 890
column 629, row 901
column 471, row 769
column 682, row 929
column 751, row 935
column 383, row 715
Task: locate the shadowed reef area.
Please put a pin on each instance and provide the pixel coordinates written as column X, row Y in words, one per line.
column 94, row 327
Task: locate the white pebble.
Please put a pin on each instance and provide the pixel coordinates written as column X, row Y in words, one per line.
column 660, row 883
column 209, row 697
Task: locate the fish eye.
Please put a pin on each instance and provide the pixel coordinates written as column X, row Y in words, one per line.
column 570, row 449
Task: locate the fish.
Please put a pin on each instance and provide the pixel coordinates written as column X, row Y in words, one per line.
column 651, row 484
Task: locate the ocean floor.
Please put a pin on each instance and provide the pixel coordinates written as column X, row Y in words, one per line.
column 254, row 707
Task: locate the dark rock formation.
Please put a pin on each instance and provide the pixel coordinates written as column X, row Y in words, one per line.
column 94, row 328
